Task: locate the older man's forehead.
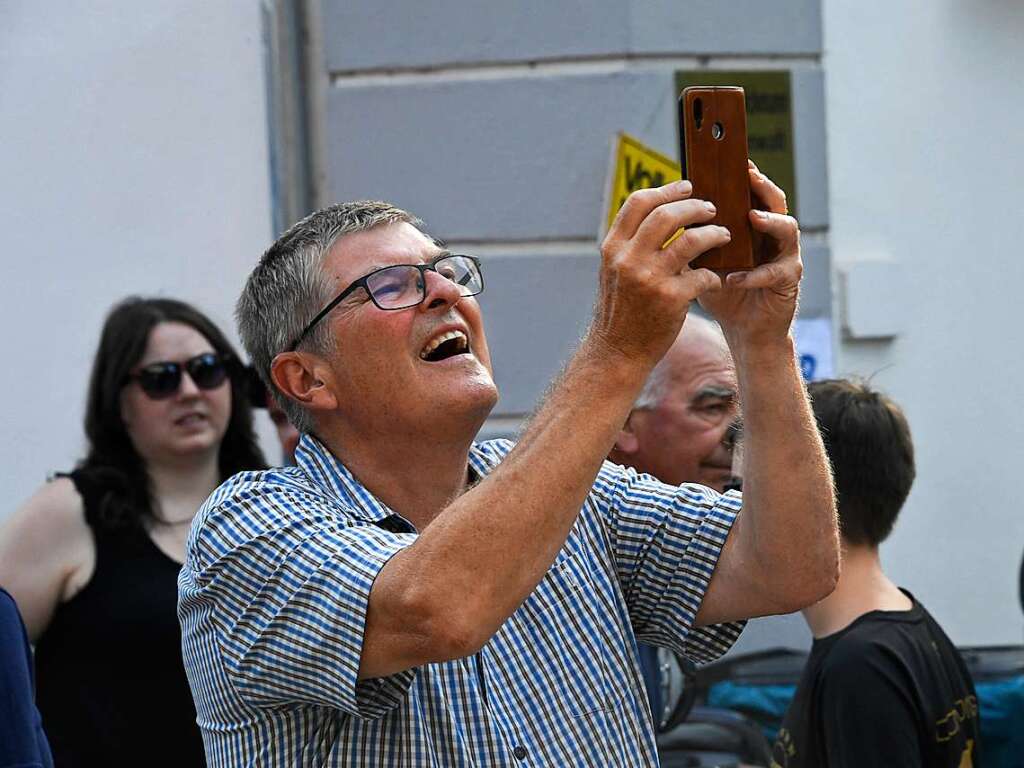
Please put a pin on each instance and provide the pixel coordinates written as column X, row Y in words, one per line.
column 358, row 253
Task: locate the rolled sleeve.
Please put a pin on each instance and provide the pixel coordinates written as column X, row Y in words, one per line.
column 667, row 541
column 705, row 644
column 289, row 585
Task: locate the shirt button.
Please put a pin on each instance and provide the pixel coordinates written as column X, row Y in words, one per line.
column 519, row 752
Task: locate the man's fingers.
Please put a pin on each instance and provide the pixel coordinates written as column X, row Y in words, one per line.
column 691, row 244
column 640, row 203
column 665, row 220
column 700, row 281
column 784, row 273
column 779, row 226
column 767, row 191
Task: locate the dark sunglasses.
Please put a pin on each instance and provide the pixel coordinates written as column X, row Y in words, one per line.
column 161, row 380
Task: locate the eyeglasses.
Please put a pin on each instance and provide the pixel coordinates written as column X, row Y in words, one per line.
column 401, row 286
column 161, row 380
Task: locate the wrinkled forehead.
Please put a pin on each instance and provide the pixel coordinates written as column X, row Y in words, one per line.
column 704, row 366
column 354, row 255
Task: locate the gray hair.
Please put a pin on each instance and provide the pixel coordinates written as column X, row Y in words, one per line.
column 655, row 387
column 288, row 288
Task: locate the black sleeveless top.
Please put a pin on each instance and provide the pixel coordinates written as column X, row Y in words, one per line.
column 109, row 677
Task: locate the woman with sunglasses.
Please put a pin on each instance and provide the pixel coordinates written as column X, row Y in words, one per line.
column 93, row 557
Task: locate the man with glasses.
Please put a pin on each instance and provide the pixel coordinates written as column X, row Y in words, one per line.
column 407, row 597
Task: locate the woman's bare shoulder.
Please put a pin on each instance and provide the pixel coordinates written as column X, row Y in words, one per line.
column 56, row 507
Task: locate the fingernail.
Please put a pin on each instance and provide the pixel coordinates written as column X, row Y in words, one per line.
column 726, row 232
column 709, row 207
column 684, row 186
column 760, row 214
column 737, row 277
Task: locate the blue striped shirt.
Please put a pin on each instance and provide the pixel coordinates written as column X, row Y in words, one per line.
column 273, row 597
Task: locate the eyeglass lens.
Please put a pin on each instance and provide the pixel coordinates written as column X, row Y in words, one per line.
column 161, row 380
column 403, row 286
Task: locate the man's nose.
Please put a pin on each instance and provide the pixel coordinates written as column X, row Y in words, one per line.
column 440, row 291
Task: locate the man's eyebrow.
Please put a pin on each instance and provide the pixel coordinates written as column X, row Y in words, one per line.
column 714, row 392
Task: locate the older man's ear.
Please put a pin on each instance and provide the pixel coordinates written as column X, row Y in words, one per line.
column 302, row 378
column 626, row 442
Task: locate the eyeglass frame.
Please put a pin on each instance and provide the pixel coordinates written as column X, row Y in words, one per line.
column 362, row 283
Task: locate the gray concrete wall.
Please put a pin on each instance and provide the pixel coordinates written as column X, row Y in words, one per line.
column 392, row 34
column 495, row 122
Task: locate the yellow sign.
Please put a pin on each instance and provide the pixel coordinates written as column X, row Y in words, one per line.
column 635, row 166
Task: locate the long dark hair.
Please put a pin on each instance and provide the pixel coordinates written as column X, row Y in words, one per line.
column 112, row 463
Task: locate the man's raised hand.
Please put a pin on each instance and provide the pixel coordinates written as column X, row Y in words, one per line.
column 645, row 288
column 762, row 302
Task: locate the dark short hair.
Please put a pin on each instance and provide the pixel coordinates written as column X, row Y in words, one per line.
column 868, row 441
column 112, row 463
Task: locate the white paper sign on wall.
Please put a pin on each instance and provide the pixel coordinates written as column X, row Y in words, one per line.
column 814, row 347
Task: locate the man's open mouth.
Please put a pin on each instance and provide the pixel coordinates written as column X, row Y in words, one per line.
column 446, row 345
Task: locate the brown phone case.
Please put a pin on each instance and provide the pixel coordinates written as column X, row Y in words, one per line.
column 713, row 155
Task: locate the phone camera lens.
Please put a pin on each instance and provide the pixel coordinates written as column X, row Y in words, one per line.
column 717, row 131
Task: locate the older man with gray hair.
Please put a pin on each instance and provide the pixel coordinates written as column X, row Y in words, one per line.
column 405, row 596
column 679, row 427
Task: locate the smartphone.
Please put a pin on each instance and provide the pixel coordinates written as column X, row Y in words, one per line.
column 713, row 155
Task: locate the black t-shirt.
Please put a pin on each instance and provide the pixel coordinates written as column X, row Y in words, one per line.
column 890, row 689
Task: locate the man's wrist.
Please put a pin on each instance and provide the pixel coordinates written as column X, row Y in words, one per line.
column 749, row 350
column 623, row 367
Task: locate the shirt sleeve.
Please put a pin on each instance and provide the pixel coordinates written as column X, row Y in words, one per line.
column 289, row 581
column 866, row 714
column 21, row 740
column 667, row 541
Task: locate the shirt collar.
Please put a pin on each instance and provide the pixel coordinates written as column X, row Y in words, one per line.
column 326, row 472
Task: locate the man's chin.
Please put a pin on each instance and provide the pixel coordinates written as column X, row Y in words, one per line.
column 473, row 398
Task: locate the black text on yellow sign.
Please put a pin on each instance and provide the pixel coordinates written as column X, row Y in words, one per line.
column 635, row 166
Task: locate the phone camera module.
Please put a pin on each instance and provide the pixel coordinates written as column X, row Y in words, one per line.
column 717, row 131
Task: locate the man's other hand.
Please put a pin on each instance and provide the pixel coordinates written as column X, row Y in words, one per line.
column 761, row 303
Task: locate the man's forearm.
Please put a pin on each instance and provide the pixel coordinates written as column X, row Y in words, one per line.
column 481, row 557
column 491, row 546
column 788, row 501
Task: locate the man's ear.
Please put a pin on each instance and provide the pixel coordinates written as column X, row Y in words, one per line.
column 300, row 377
column 627, row 443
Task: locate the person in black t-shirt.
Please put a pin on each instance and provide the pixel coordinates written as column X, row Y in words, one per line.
column 883, row 684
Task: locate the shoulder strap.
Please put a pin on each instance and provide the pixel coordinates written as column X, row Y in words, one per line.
column 91, row 493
